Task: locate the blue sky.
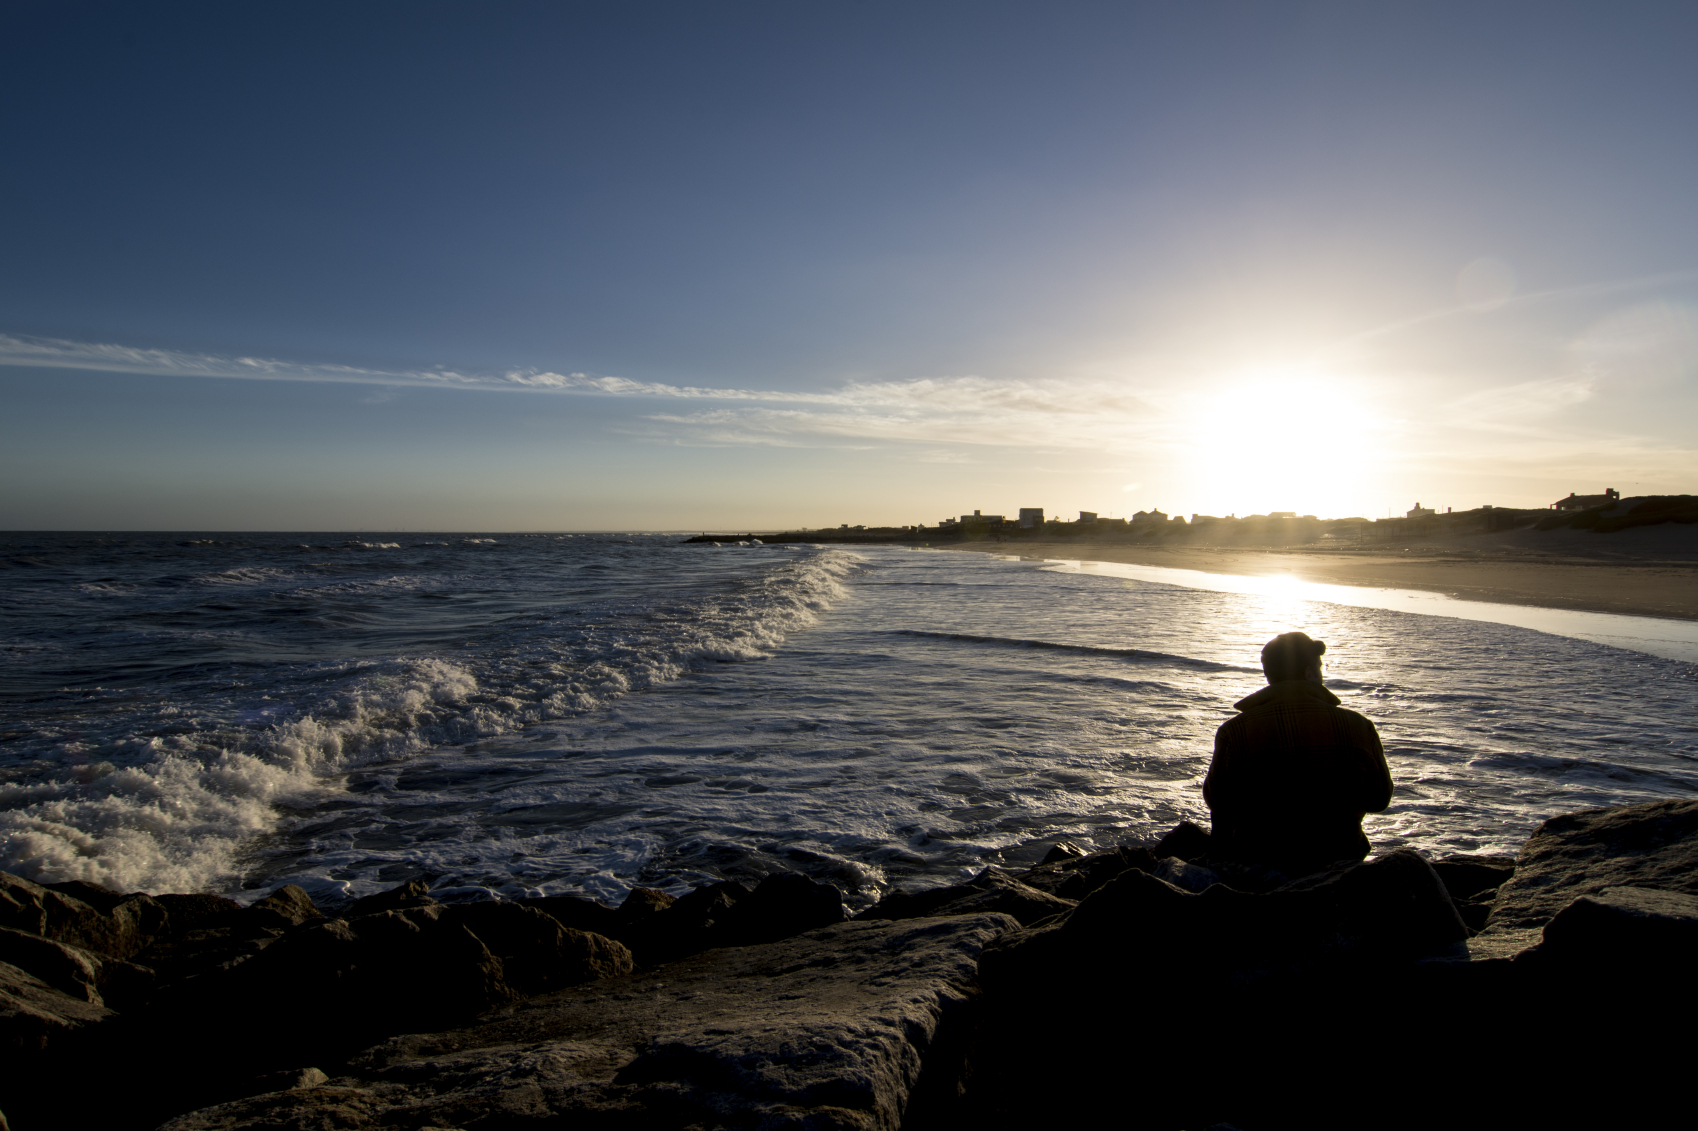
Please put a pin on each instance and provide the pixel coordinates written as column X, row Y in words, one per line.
column 685, row 265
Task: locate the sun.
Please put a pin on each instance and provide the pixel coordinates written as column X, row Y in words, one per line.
column 1283, row 439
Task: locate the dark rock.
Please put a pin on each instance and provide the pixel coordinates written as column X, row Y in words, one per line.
column 706, row 905
column 1653, row 845
column 197, row 912
column 1063, row 850
column 1145, row 973
column 413, row 893
column 288, row 906
column 133, row 922
column 287, row 1080
column 195, row 953
column 989, row 891
column 1186, row 841
column 1078, row 877
column 782, row 904
column 537, row 953
column 1469, row 877
column 1388, row 910
column 699, row 920
column 100, row 898
column 34, row 1016
column 828, row 1030
column 643, row 902
column 1475, row 912
column 1624, row 925
column 68, row 969
column 579, row 914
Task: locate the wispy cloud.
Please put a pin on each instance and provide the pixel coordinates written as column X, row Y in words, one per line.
column 949, row 410
column 54, row 353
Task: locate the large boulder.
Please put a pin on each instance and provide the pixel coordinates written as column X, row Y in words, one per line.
column 35, row 1016
column 1653, row 846
column 1625, row 925
column 127, row 926
column 838, row 1028
column 197, row 912
column 288, row 906
column 1217, row 989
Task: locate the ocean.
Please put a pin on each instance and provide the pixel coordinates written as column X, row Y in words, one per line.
column 523, row 714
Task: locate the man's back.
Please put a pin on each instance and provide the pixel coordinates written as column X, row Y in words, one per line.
column 1292, row 777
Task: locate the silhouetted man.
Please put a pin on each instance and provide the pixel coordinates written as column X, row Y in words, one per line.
column 1295, row 773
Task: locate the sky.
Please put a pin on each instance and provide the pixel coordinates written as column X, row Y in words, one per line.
column 759, row 265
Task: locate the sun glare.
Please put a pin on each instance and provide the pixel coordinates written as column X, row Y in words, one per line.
column 1277, row 440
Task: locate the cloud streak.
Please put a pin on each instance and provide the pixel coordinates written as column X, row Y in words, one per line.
column 966, row 409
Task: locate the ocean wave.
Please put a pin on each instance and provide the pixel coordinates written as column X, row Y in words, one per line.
column 1139, row 654
column 174, row 811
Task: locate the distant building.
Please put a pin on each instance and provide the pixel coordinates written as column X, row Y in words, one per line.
column 1030, row 517
column 1291, row 514
column 1583, row 502
column 1420, row 512
column 976, row 519
column 1087, row 517
column 1151, row 515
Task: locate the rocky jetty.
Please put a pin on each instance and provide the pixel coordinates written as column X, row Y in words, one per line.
column 1138, row 985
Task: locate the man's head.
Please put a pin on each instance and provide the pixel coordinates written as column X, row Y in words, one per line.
column 1292, row 655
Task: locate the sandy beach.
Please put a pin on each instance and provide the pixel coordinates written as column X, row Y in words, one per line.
column 1650, row 572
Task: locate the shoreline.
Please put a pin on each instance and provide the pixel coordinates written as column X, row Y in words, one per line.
column 1646, row 588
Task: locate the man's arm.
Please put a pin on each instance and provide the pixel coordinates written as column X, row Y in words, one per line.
column 1376, row 774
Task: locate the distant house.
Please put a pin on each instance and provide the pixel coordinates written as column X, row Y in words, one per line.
column 1031, row 517
column 1290, row 514
column 1583, row 502
column 1420, row 512
column 1151, row 515
column 1087, row 517
column 977, row 519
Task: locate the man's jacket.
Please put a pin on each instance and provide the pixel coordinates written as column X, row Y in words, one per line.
column 1292, row 777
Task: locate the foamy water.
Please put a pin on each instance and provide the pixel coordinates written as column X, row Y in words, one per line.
column 545, row 715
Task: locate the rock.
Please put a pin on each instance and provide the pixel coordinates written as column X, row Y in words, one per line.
column 133, row 922
column 1469, row 877
column 1386, row 911
column 413, row 893
column 100, row 898
column 1653, row 845
column 697, row 921
column 288, row 906
column 1076, row 878
column 1224, row 995
column 579, row 914
column 783, row 904
column 68, row 969
column 1183, row 874
column 287, row 1080
column 989, row 891
column 1186, row 841
column 536, row 952
column 643, row 902
column 827, row 1030
column 1621, row 925
column 197, row 912
column 35, row 1016
column 1063, row 850
column 195, row 953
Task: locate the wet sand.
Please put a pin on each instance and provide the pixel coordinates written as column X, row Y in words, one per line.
column 1651, row 576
